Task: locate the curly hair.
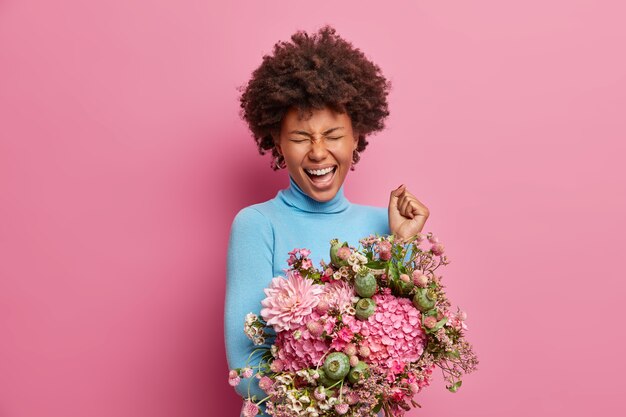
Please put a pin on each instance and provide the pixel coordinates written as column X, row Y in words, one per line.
column 313, row 72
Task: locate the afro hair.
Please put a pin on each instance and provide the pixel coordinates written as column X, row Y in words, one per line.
column 313, row 72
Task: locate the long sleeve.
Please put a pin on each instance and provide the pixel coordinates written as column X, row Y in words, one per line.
column 249, row 270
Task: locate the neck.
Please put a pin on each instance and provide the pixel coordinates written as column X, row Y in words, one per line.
column 295, row 197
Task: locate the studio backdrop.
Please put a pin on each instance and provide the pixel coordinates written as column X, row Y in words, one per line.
column 123, row 161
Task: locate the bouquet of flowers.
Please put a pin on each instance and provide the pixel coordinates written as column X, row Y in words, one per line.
column 359, row 335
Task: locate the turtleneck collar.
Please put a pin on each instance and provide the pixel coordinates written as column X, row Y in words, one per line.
column 295, row 197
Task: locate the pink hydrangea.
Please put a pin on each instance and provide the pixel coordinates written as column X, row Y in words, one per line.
column 394, row 331
column 299, row 352
column 290, row 301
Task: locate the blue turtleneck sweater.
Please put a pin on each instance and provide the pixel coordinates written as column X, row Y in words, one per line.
column 260, row 237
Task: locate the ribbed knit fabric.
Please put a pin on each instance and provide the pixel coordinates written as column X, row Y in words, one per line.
column 261, row 236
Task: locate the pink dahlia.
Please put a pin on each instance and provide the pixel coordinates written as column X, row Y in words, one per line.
column 338, row 295
column 290, row 301
column 395, row 331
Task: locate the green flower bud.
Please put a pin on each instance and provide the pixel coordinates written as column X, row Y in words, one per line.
column 337, row 365
column 365, row 285
column 359, row 372
column 424, row 300
column 324, row 379
column 334, row 257
column 365, row 307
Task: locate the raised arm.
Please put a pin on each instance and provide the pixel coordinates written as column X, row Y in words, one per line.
column 248, row 271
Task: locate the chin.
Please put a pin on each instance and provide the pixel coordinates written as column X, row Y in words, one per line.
column 323, row 196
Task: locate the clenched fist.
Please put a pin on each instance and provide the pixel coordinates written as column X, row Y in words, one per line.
column 407, row 214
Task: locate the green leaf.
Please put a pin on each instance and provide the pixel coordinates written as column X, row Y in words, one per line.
column 393, row 271
column 454, row 354
column 440, row 324
column 376, row 264
column 455, row 387
column 437, row 326
column 378, row 407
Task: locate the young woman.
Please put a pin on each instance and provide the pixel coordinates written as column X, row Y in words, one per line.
column 312, row 103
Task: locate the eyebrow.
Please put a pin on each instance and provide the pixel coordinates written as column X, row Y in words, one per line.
column 302, row 132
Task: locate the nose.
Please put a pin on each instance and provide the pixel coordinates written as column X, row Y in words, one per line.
column 318, row 150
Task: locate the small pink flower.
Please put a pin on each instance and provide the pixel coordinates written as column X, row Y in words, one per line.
column 327, row 275
column 343, row 253
column 322, row 307
column 305, row 252
column 246, row 372
column 266, row 383
column 352, row 398
column 232, row 374
column 397, row 367
column 414, row 387
column 277, row 366
column 354, row 360
column 307, row 263
column 433, row 239
column 419, row 278
column 233, row 382
column 430, row 322
column 350, row 349
column 315, row 328
column 342, row 408
column 345, row 334
column 319, row 393
column 397, row 394
column 391, row 377
column 384, row 250
column 364, row 351
column 437, row 249
column 405, row 278
column 249, row 409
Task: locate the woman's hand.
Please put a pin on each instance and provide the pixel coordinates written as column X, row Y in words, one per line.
column 407, row 214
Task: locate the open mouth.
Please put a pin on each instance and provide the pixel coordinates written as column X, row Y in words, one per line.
column 321, row 176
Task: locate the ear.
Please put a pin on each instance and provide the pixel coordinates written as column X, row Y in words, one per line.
column 276, row 139
column 356, row 140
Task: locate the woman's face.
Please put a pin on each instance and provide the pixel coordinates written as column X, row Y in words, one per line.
column 317, row 151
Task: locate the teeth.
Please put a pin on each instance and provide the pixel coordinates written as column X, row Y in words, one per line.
column 320, row 171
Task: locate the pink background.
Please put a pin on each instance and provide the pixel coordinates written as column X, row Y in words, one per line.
column 123, row 161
